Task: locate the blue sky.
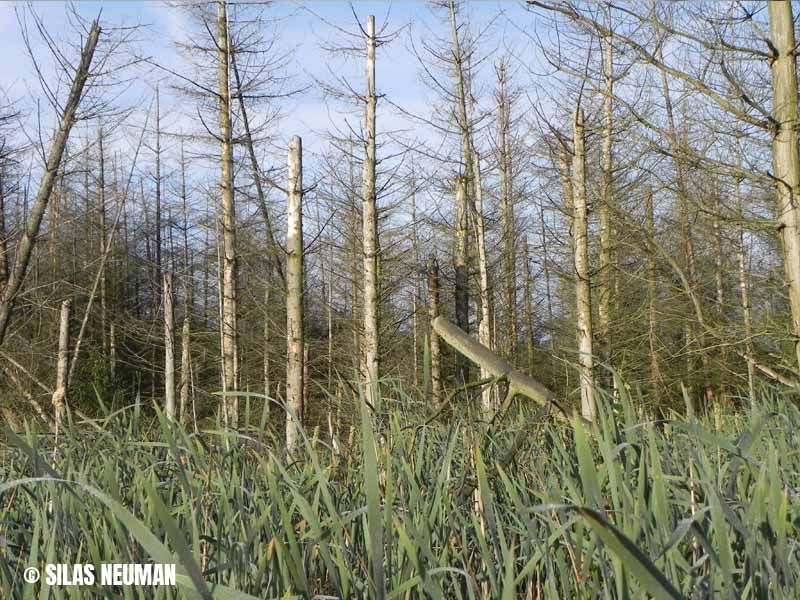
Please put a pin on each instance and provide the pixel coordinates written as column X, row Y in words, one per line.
column 305, row 27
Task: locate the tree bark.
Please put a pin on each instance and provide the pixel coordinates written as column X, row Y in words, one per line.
column 507, row 214
column 530, row 338
column 67, row 120
column 369, row 224
column 229, row 333
column 59, row 398
column 606, row 283
column 435, row 349
column 170, row 408
column 744, row 291
column 484, row 327
column 294, row 296
column 519, row 383
column 462, row 272
column 583, row 293
column 785, row 153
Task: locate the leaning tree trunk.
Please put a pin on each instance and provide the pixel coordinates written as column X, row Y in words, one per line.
column 294, row 296
column 583, row 294
column 785, row 153
column 369, row 223
column 229, row 333
column 25, row 246
column 169, row 349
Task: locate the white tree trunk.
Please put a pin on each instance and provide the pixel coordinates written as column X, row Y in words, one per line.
column 59, row 398
column 229, row 334
column 583, row 293
column 433, row 338
column 294, row 295
column 169, row 349
column 484, row 327
column 370, row 229
column 785, row 156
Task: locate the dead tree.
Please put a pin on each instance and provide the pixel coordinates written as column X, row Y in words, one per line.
column 583, row 289
column 169, row 348
column 294, row 296
column 370, row 228
column 59, row 398
column 228, row 293
column 66, row 120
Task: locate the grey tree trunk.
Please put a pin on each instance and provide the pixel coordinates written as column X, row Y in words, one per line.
column 170, row 407
column 462, row 272
column 507, row 215
column 59, row 398
column 530, row 338
column 25, row 246
column 369, row 223
column 484, row 327
column 294, row 295
column 583, row 292
column 606, row 273
column 785, row 153
column 433, row 338
column 464, row 187
column 744, row 291
column 229, row 333
column 103, row 240
column 186, row 367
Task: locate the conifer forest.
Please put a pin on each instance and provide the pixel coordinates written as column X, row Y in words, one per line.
column 388, row 300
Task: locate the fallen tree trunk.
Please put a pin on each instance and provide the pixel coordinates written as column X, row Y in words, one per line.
column 518, row 382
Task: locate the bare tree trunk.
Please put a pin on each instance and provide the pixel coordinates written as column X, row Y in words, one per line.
column 267, row 365
column 583, row 293
column 507, row 215
column 370, row 229
column 3, row 235
column 169, row 349
column 484, row 327
column 186, row 358
column 652, row 297
column 229, row 333
column 157, row 279
column 417, row 294
column 463, row 198
column 25, row 246
column 433, row 338
column 744, row 290
column 530, row 337
column 606, row 274
column 101, row 213
column 59, row 398
column 112, row 351
column 462, row 273
column 294, row 296
column 785, row 153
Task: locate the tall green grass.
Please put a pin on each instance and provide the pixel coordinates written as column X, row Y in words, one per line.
column 629, row 508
